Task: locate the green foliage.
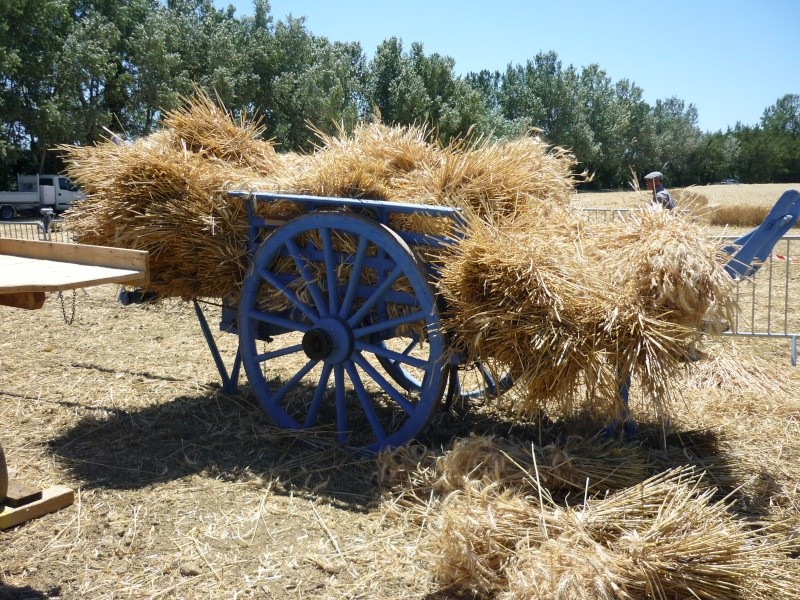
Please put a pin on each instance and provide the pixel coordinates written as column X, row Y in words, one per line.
column 71, row 68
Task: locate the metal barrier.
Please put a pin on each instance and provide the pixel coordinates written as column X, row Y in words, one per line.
column 35, row 230
column 606, row 215
column 767, row 299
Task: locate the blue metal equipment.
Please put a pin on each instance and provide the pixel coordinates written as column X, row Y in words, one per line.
column 750, row 251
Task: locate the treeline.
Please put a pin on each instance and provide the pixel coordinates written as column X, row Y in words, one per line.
column 69, row 69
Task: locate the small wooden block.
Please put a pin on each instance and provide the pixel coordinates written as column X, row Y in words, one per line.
column 53, row 499
column 28, row 300
column 21, row 493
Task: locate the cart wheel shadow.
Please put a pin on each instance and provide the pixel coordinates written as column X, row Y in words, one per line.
column 229, row 437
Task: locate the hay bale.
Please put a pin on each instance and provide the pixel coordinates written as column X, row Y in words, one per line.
column 496, row 178
column 151, row 196
column 203, row 126
column 668, row 265
column 577, row 465
column 368, row 164
column 166, row 193
column 570, row 309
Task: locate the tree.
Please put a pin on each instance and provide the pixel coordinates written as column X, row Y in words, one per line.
column 676, row 139
column 781, row 124
column 394, row 89
column 301, row 80
column 32, row 35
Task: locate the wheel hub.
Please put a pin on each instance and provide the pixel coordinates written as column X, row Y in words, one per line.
column 317, row 344
column 331, row 341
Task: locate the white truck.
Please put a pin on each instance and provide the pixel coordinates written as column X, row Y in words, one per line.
column 35, row 192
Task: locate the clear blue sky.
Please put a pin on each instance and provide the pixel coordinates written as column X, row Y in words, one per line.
column 731, row 59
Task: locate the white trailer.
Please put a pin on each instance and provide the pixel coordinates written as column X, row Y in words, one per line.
column 35, row 192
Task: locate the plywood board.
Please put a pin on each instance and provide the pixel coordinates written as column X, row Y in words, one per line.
column 31, row 266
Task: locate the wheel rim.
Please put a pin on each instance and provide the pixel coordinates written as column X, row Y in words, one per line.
column 324, row 366
column 477, row 381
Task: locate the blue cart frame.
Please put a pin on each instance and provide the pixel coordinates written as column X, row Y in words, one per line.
column 347, row 336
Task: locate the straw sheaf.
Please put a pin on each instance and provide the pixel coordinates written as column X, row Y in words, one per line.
column 663, row 538
column 668, row 265
column 495, row 178
column 212, row 153
column 202, row 125
column 367, row 163
column 478, row 462
column 154, row 197
column 523, row 299
column 571, row 309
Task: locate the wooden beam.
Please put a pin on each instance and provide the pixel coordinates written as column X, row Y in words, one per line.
column 27, row 300
column 32, row 266
column 78, row 254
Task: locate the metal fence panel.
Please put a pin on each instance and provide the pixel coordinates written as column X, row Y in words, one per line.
column 766, row 298
column 35, row 230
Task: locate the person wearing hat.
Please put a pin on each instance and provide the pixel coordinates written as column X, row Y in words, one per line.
column 661, row 197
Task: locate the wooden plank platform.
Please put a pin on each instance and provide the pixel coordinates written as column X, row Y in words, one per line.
column 52, row 499
column 30, row 266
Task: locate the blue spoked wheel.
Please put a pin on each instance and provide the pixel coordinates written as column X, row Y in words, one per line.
column 475, row 381
column 325, row 305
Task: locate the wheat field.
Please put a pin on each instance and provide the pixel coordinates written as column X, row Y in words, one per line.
column 759, row 194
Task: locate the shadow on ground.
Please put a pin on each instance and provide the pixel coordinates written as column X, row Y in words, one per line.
column 8, row 592
column 230, row 438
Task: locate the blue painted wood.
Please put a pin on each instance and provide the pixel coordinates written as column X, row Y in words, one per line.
column 376, row 206
column 230, row 381
column 340, row 332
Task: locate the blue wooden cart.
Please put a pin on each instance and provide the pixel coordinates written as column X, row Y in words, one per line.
column 358, row 326
column 356, row 347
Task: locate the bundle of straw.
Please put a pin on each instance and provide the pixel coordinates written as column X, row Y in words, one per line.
column 663, row 538
column 369, row 163
column 572, row 310
column 496, row 179
column 166, row 193
column 201, row 152
column 577, row 465
column 171, row 203
column 201, row 125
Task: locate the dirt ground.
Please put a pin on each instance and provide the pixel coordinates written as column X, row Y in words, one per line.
column 183, row 491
